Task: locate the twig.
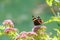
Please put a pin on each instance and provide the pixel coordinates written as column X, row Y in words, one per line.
column 53, row 11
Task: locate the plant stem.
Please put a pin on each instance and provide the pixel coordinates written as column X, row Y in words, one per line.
column 53, row 11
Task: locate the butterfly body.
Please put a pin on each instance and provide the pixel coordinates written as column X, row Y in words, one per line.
column 37, row 21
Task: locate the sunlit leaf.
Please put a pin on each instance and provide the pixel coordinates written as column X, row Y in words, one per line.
column 53, row 19
column 48, row 21
column 1, row 33
column 49, row 2
column 56, row 19
column 2, row 27
column 55, row 38
column 57, row 3
column 57, row 0
column 57, row 31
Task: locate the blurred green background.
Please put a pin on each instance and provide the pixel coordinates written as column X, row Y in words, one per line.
column 21, row 11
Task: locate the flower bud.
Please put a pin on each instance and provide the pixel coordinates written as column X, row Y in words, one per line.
column 17, row 37
column 8, row 22
column 31, row 34
column 23, row 34
column 43, row 27
column 36, row 28
column 7, row 30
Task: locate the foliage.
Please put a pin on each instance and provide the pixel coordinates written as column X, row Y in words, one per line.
column 53, row 2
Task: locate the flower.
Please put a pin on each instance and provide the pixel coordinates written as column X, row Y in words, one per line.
column 36, row 28
column 43, row 27
column 31, row 33
column 23, row 34
column 41, row 33
column 32, row 39
column 17, row 37
column 7, row 30
column 8, row 22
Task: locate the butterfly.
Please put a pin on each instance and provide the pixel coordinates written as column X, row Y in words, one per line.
column 37, row 21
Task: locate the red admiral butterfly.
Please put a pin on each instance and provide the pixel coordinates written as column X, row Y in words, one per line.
column 37, row 21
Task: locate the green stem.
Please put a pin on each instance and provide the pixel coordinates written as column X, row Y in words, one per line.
column 53, row 11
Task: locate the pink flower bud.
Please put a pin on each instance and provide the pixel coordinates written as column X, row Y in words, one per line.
column 23, row 34
column 17, row 37
column 31, row 33
column 36, row 28
column 44, row 27
column 32, row 39
column 41, row 33
column 8, row 22
column 7, row 30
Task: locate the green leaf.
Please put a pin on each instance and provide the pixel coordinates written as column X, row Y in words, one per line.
column 48, row 21
column 2, row 27
column 53, row 19
column 57, row 31
column 55, row 38
column 57, row 3
column 1, row 33
column 57, row 0
column 56, row 18
column 49, row 2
